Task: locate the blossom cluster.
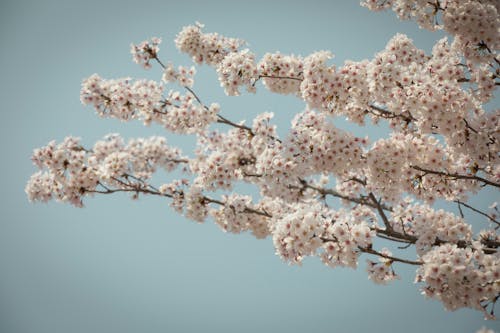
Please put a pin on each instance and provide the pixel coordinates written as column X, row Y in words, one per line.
column 381, row 271
column 296, row 234
column 317, row 146
column 209, row 48
column 145, row 51
column 414, row 91
column 474, row 24
column 348, row 233
column 460, row 277
column 182, row 76
column 66, row 176
column 393, row 168
column 226, row 157
column 121, row 98
column 68, row 171
column 184, row 114
column 430, row 226
column 237, row 69
column 336, row 92
column 281, row 73
column 143, row 100
column 236, row 217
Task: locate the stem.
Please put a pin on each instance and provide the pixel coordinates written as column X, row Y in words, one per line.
column 460, row 208
column 196, row 97
column 155, row 57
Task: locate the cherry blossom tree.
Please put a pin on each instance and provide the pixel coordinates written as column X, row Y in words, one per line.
column 443, row 146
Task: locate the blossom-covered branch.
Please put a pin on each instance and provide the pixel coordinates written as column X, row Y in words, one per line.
column 443, row 144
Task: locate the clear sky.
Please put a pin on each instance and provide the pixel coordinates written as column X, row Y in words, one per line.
column 135, row 266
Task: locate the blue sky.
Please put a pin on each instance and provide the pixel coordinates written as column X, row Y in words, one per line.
column 135, row 266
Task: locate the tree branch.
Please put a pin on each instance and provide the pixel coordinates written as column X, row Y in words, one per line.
column 276, row 77
column 388, row 114
column 456, row 175
column 332, row 192
column 381, row 212
column 460, row 203
column 392, row 258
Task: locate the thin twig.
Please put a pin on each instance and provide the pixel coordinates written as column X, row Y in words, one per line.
column 460, row 203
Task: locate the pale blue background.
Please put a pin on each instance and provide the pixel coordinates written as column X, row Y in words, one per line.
column 123, row 266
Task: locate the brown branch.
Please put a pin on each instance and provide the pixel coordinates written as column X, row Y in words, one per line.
column 370, row 250
column 381, row 212
column 460, row 208
column 460, row 203
column 388, row 114
column 483, row 44
column 196, row 97
column 155, row 57
column 332, row 192
column 223, row 120
column 276, row 77
column 392, row 258
column 131, row 189
column 381, row 235
column 456, row 175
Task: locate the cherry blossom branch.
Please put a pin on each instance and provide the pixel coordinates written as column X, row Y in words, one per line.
column 389, row 233
column 382, row 233
column 155, row 57
column 392, row 258
column 370, row 250
column 246, row 209
column 142, row 187
column 220, row 118
column 455, row 175
column 150, row 189
column 130, row 188
column 327, row 91
column 226, row 121
column 332, row 192
column 388, row 114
